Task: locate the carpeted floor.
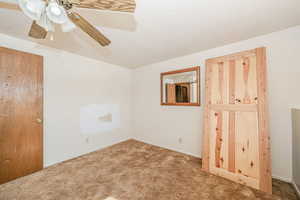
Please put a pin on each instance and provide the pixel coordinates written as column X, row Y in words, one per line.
column 130, row 171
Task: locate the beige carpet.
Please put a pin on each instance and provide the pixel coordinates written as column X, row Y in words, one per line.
column 130, row 171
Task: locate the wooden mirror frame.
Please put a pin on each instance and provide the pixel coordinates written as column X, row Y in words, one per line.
column 197, row 69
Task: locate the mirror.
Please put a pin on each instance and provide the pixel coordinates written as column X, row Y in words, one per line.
column 181, row 87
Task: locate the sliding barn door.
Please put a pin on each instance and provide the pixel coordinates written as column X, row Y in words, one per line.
column 21, row 111
column 236, row 138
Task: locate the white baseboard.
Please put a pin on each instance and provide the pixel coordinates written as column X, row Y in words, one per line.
column 296, row 188
column 285, row 179
column 289, row 180
column 172, row 149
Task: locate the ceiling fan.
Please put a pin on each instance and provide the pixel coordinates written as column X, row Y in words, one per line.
column 46, row 13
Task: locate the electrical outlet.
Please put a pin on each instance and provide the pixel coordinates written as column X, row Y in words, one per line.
column 180, row 140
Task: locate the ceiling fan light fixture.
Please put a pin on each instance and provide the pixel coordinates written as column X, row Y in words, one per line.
column 56, row 13
column 32, row 8
column 55, row 10
column 45, row 22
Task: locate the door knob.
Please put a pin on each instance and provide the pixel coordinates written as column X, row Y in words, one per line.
column 38, row 120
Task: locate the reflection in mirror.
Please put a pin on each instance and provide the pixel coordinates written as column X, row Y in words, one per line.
column 180, row 87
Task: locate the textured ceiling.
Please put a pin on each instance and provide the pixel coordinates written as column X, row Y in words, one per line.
column 164, row 29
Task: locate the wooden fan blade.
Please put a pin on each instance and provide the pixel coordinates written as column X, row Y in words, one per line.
column 9, row 6
column 115, row 20
column 37, row 32
column 113, row 5
column 88, row 28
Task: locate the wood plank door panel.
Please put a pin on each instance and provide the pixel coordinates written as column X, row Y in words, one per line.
column 170, row 93
column 245, row 80
column 21, row 109
column 236, row 138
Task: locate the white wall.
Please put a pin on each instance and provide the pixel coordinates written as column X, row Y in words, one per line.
column 72, row 81
column 296, row 146
column 164, row 125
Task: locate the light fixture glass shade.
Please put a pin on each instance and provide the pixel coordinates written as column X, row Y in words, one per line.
column 45, row 22
column 32, row 8
column 68, row 26
column 56, row 13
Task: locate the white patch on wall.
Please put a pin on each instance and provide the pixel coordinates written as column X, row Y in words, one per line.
column 95, row 118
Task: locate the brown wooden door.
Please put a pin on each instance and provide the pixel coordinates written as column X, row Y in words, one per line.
column 236, row 138
column 171, row 94
column 21, row 111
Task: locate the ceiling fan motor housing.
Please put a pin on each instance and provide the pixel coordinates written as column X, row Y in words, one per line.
column 66, row 4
